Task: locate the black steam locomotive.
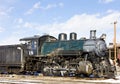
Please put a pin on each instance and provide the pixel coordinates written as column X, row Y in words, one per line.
column 73, row 57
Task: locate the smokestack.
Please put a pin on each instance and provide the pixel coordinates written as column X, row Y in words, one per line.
column 92, row 34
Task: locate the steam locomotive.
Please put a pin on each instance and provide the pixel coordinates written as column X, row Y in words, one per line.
column 73, row 57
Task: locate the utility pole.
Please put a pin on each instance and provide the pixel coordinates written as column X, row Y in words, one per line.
column 115, row 57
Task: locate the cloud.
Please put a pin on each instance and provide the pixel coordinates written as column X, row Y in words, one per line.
column 28, row 25
column 105, row 1
column 10, row 9
column 49, row 6
column 18, row 21
column 5, row 12
column 8, row 1
column 9, row 41
column 38, row 6
column 81, row 24
column 2, row 29
column 13, row 37
column 35, row 6
column 61, row 4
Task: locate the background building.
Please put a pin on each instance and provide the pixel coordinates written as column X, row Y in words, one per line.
column 111, row 50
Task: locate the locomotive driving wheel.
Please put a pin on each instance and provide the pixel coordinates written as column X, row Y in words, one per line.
column 55, row 69
column 104, row 70
column 47, row 70
column 51, row 70
column 100, row 72
column 65, row 66
column 72, row 69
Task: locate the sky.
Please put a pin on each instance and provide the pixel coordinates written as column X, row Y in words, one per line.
column 26, row 18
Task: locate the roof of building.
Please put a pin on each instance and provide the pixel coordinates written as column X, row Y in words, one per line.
column 111, row 45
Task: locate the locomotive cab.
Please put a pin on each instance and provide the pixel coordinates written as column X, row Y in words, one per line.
column 32, row 44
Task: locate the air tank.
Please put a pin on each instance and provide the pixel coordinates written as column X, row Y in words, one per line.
column 62, row 36
column 73, row 36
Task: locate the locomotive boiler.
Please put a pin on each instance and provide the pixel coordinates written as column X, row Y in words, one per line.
column 73, row 57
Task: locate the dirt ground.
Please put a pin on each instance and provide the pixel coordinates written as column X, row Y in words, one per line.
column 26, row 79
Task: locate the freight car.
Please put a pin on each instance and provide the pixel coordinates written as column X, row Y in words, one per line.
column 73, row 57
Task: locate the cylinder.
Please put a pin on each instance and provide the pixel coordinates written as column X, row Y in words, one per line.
column 62, row 36
column 73, row 36
column 85, row 67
